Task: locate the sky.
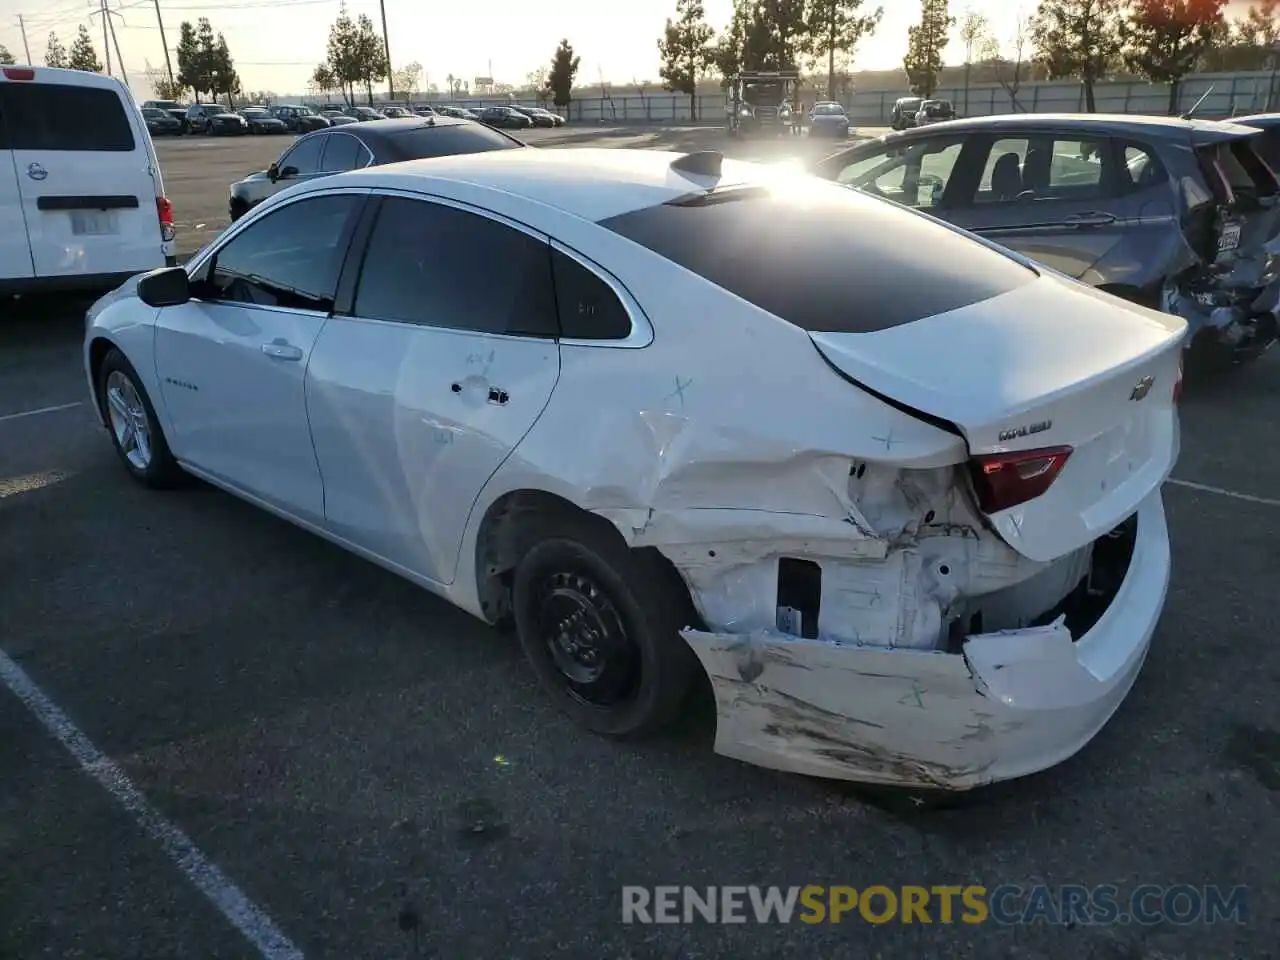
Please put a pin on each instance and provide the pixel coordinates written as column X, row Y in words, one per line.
column 276, row 43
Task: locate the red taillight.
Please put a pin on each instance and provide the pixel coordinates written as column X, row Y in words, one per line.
column 19, row 73
column 1004, row 480
column 165, row 209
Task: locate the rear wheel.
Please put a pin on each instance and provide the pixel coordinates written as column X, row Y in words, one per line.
column 600, row 625
column 135, row 429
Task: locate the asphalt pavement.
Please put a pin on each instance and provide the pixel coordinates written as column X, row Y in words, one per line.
column 365, row 765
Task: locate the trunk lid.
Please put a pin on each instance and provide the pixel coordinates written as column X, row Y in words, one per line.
column 1048, row 365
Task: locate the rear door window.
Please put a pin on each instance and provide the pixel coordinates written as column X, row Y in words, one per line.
column 1036, row 168
column 342, row 152
column 826, row 259
column 62, row 117
column 438, row 266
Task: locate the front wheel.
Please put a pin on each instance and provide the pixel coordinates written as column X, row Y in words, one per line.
column 600, row 625
column 135, row 430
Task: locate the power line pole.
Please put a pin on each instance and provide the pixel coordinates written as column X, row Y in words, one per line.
column 22, row 27
column 106, row 47
column 164, row 43
column 386, row 49
column 116, row 43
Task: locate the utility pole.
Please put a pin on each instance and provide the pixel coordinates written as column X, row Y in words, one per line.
column 23, row 28
column 386, row 49
column 106, row 47
column 116, row 43
column 164, row 43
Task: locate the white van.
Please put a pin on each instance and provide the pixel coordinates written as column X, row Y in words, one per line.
column 82, row 205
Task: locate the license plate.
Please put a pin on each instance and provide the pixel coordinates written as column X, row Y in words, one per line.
column 1229, row 239
column 98, row 223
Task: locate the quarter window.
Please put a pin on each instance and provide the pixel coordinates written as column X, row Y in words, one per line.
column 588, row 307
column 440, row 266
column 1142, row 168
column 289, row 258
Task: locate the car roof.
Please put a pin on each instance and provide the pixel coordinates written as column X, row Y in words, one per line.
column 1101, row 124
column 373, row 132
column 593, row 183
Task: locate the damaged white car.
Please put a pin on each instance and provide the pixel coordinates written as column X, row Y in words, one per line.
column 677, row 415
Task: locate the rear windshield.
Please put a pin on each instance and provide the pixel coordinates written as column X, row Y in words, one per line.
column 448, row 141
column 826, row 258
column 54, row 116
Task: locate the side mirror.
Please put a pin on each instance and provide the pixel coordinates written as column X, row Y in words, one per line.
column 168, row 287
column 273, row 172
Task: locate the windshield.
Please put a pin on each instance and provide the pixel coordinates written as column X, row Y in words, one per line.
column 828, row 110
column 254, row 112
column 153, row 113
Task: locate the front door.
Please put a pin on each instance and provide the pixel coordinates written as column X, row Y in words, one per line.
column 448, row 358
column 232, row 362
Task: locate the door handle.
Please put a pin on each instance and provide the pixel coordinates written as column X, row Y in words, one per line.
column 280, row 350
column 1098, row 219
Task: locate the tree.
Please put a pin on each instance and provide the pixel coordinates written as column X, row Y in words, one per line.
column 55, row 54
column 344, row 54
column 1260, row 26
column 190, row 73
column 685, row 48
column 83, row 56
column 207, row 57
column 222, row 71
column 371, row 55
column 5, row 56
column 925, row 43
column 323, row 80
column 408, row 79
column 1166, row 38
column 975, row 34
column 836, row 26
column 1019, row 40
column 166, row 89
column 1078, row 38
column 564, row 68
column 536, row 80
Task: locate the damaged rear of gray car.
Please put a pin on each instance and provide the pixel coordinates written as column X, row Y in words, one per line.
column 1180, row 215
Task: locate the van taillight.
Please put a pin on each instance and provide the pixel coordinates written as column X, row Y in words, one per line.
column 19, row 73
column 1004, row 480
column 165, row 209
column 1177, row 384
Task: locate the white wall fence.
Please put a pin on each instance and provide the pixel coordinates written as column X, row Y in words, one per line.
column 1233, row 94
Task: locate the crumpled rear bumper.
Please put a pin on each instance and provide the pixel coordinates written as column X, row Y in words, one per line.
column 1012, row 703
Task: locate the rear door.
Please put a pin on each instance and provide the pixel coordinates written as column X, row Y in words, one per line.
column 15, row 253
column 85, row 173
column 435, row 373
column 1050, row 196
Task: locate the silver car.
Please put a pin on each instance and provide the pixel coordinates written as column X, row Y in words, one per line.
column 1178, row 215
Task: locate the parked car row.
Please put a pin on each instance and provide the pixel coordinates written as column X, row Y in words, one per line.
column 920, row 112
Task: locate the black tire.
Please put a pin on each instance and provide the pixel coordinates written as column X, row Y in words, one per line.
column 631, row 600
column 162, row 470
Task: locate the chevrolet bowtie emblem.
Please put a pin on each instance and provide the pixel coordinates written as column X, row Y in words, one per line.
column 1141, row 389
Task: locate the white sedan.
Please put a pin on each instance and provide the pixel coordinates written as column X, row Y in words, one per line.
column 894, row 491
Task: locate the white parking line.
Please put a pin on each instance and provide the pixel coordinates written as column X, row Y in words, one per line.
column 256, row 926
column 1205, row 488
column 34, row 413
